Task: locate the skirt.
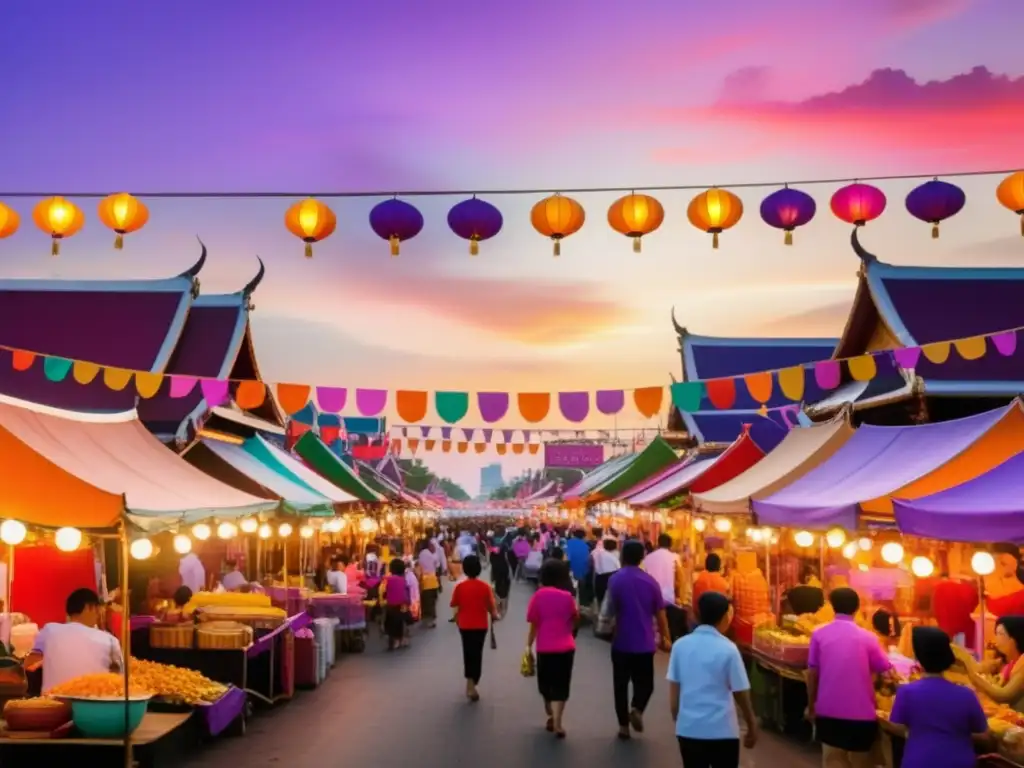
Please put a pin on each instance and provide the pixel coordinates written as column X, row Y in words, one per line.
column 502, row 586
column 394, row 622
column 428, row 602
column 554, row 675
column 847, row 735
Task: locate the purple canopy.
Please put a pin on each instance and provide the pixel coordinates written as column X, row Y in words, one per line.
column 986, row 509
column 875, row 462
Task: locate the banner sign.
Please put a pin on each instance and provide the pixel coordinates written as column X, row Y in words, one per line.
column 573, row 455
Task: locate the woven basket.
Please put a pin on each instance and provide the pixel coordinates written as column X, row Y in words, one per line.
column 172, row 636
column 224, row 635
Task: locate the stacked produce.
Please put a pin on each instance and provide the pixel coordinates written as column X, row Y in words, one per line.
column 176, row 684
column 104, row 685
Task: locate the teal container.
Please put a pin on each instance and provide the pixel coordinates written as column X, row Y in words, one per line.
column 104, row 718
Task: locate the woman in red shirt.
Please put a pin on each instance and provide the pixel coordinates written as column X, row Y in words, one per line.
column 474, row 603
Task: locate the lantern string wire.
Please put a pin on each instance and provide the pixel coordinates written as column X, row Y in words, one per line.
column 508, row 192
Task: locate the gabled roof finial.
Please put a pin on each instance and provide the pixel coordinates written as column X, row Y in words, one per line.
column 863, row 255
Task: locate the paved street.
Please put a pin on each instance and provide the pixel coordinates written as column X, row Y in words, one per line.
column 408, row 708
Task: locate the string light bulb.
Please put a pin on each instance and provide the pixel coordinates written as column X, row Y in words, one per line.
column 284, row 530
column 803, row 538
column 266, row 531
column 227, row 531
column 850, row 550
column 892, row 552
column 835, row 538
column 12, row 532
column 201, row 531
column 141, row 549
column 249, row 525
column 67, row 539
column 700, row 525
column 922, row 567
column 723, row 525
column 983, row 564
column 182, row 544
column 306, row 531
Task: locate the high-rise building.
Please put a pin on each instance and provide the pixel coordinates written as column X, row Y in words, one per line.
column 490, row 479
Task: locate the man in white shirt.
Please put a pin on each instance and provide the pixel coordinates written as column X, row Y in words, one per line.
column 192, row 572
column 666, row 568
column 337, row 580
column 77, row 647
column 234, row 579
column 465, row 545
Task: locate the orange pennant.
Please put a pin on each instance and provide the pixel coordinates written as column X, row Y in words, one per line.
column 84, row 372
column 937, row 352
column 396, row 446
column 292, row 397
column 462, row 447
column 648, row 400
column 517, row 448
column 759, row 385
column 428, row 445
column 501, row 448
column 446, row 446
column 862, row 367
column 413, row 444
column 250, row 394
column 22, row 360
column 791, row 382
column 721, row 393
column 971, row 349
column 148, row 384
column 534, row 447
column 411, row 405
column 480, row 447
column 117, row 378
column 534, row 406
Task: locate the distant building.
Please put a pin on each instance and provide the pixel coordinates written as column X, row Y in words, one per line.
column 490, row 479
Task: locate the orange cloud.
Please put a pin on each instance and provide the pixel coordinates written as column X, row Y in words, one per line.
column 971, row 118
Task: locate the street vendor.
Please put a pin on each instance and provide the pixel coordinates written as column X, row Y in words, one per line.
column 76, row 647
column 1009, row 641
column 808, row 596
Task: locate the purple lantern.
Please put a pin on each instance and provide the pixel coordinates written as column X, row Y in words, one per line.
column 935, row 201
column 396, row 220
column 474, row 220
column 787, row 209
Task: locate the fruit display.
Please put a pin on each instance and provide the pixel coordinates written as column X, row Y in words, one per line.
column 175, row 684
column 227, row 599
column 40, row 714
column 789, row 648
column 103, row 685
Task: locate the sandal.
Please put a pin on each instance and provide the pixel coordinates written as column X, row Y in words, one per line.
column 559, row 734
column 550, row 726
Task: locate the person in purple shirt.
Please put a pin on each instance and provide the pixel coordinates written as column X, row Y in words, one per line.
column 942, row 720
column 634, row 599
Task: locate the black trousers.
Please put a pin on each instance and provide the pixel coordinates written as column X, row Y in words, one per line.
column 473, row 652
column 635, row 668
column 601, row 587
column 710, row 753
column 677, row 623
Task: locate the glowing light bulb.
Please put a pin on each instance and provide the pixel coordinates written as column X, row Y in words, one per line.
column 12, row 532
column 700, row 525
column 835, row 538
column 227, row 531
column 723, row 525
column 983, row 564
column 892, row 552
column 864, row 544
column 67, row 539
column 182, row 544
column 803, row 538
column 141, row 549
column 922, row 567
column 306, row 531
column 850, row 550
column 266, row 531
column 756, row 535
column 249, row 525
column 284, row 530
column 201, row 531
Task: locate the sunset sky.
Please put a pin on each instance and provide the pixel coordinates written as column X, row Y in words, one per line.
column 432, row 94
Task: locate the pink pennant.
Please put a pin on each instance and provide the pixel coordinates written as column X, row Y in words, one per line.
column 1005, row 343
column 215, row 391
column 181, row 386
column 907, row 358
column 827, row 374
column 370, row 402
column 331, row 399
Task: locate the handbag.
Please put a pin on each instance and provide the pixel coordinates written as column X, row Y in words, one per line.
column 528, row 665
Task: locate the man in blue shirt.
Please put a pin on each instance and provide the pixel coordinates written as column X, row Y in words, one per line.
column 707, row 684
column 578, row 554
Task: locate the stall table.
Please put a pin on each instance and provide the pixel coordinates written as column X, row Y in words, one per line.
column 782, row 699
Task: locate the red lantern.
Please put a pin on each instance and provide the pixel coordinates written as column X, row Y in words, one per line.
column 858, row 204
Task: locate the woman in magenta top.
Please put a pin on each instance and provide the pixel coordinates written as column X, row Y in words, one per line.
column 397, row 602
column 553, row 615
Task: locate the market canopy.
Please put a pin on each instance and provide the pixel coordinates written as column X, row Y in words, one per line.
column 331, row 466
column 61, row 468
column 237, row 466
column 670, row 484
column 655, row 457
column 801, row 450
column 989, row 508
column 879, row 463
column 598, row 475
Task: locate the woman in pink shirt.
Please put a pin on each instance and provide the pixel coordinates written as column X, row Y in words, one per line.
column 553, row 615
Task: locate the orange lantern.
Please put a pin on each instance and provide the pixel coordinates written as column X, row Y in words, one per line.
column 9, row 221
column 311, row 221
column 1010, row 193
column 124, row 214
column 714, row 211
column 557, row 217
column 59, row 218
column 635, row 216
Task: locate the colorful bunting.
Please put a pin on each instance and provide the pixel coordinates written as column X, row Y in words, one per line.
column 759, row 385
column 56, row 369
column 862, row 368
column 250, row 394
column 411, row 405
column 686, row 395
column 574, row 406
column 331, row 399
column 116, row 379
column 610, row 401
column 907, row 357
column 648, row 401
column 181, row 386
column 721, row 393
column 937, row 353
column 84, row 373
column 291, row 397
column 534, row 406
column 22, row 360
column 217, row 392
column 971, row 349
column 827, row 374
column 148, row 384
column 792, row 381
column 370, row 402
column 1005, row 343
column 493, row 405
column 451, row 406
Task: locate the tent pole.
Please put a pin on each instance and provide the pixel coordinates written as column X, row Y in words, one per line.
column 126, row 641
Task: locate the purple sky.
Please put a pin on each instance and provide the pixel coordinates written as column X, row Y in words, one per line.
column 341, row 96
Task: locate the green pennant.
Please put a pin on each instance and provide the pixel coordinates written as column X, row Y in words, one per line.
column 686, row 395
column 56, row 369
column 451, row 406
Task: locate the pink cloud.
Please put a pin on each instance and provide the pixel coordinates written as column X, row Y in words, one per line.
column 971, row 118
column 909, row 15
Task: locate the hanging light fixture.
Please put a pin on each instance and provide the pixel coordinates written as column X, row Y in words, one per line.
column 835, row 538
column 922, row 567
column 12, row 532
column 803, row 538
column 182, row 544
column 141, row 549
column 266, row 531
column 249, row 525
column 700, row 525
column 850, row 550
column 284, row 530
column 892, row 552
column 227, row 531
column 67, row 539
column 983, row 564
column 306, row 531
column 723, row 525
column 865, row 544
column 201, row 531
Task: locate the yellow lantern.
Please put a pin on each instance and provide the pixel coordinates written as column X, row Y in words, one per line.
column 59, row 218
column 714, row 211
column 124, row 214
column 557, row 217
column 311, row 221
column 635, row 216
column 1010, row 193
column 9, row 221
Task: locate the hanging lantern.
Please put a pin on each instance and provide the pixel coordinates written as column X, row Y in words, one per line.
column 141, row 549
column 59, row 218
column 201, row 531
column 934, row 202
column 557, row 217
column 858, row 204
column 1010, row 193
column 635, row 216
column 182, row 544
column 9, row 221
column 124, row 214
column 892, row 552
column 803, row 538
column 474, row 220
column 12, row 532
column 311, row 221
column 67, row 539
column 787, row 209
column 714, row 211
column 396, row 220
